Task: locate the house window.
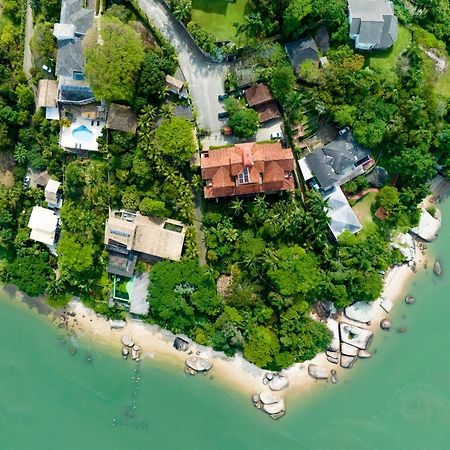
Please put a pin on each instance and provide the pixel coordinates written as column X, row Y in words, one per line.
column 120, row 233
column 287, row 174
column 209, row 182
column 244, row 176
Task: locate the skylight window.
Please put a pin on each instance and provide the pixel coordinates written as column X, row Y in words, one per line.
column 244, row 176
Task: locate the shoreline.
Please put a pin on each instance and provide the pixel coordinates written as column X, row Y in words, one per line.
column 235, row 372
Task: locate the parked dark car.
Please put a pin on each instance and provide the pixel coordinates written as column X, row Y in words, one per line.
column 222, row 97
column 222, row 115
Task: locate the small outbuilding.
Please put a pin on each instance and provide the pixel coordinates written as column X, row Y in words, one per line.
column 121, row 118
column 300, row 51
column 43, row 223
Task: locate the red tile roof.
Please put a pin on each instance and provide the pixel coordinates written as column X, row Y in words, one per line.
column 268, row 111
column 270, row 169
column 257, row 95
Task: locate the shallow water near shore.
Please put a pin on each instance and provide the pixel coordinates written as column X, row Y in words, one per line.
column 399, row 399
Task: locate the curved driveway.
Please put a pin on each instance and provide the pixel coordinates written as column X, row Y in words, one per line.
column 205, row 78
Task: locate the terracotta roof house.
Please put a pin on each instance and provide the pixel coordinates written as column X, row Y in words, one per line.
column 121, row 118
column 247, row 169
column 259, row 98
column 129, row 235
column 373, row 24
column 300, row 51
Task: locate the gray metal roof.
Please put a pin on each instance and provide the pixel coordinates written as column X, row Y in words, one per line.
column 301, row 50
column 72, row 12
column 374, row 21
column 333, row 162
column 341, row 214
column 70, row 58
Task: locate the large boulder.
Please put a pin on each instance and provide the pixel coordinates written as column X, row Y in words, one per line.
column 198, row 364
column 428, row 227
column 274, row 408
column 318, row 372
column 180, row 344
column 267, row 398
column 333, row 325
column 405, row 243
column 387, row 304
column 127, row 340
column 364, row 354
column 117, row 324
column 348, row 350
column 332, row 357
column 278, row 383
column 361, row 312
column 385, row 324
column 347, row 361
column 356, row 336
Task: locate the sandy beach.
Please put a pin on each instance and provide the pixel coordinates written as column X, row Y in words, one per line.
column 236, row 372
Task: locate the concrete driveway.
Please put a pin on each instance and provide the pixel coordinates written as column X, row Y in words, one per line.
column 205, row 78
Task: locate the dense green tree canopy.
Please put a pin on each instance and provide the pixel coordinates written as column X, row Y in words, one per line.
column 244, row 123
column 114, row 55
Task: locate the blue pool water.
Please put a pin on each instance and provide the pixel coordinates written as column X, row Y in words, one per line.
column 82, row 133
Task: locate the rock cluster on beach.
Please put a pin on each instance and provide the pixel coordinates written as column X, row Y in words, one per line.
column 270, row 403
column 130, row 348
column 196, row 364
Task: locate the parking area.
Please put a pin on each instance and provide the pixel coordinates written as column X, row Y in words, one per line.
column 272, row 128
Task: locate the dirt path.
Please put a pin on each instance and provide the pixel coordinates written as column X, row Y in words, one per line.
column 27, row 57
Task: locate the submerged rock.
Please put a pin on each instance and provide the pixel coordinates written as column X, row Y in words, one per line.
column 180, row 344
column 198, row 364
column 385, row 324
column 437, row 269
column 364, row 354
column 127, row 340
column 318, row 372
column 409, row 300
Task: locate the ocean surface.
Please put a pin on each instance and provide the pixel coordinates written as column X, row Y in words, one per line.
column 94, row 400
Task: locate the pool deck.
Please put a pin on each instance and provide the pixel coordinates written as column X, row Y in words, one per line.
column 67, row 140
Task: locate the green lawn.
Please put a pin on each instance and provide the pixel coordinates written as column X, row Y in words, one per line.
column 387, row 59
column 362, row 209
column 218, row 16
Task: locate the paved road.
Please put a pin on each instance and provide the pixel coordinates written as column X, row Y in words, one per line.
column 27, row 59
column 205, row 78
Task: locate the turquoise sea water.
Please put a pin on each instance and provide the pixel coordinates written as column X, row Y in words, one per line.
column 400, row 399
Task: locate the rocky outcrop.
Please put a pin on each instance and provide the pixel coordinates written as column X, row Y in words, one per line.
column 318, row 372
column 127, row 341
column 385, row 324
column 278, row 382
column 332, row 357
column 409, row 300
column 333, row 325
column 361, row 312
column 348, row 350
column 428, row 227
column 386, row 304
column 271, row 403
column 180, row 344
column 405, row 243
column 347, row 361
column 117, row 324
column 356, row 336
column 198, row 364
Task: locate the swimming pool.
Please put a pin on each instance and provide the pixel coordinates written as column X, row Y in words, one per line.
column 82, row 133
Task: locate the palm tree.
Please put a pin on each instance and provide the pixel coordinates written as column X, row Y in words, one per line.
column 167, row 111
column 237, row 206
column 20, row 154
